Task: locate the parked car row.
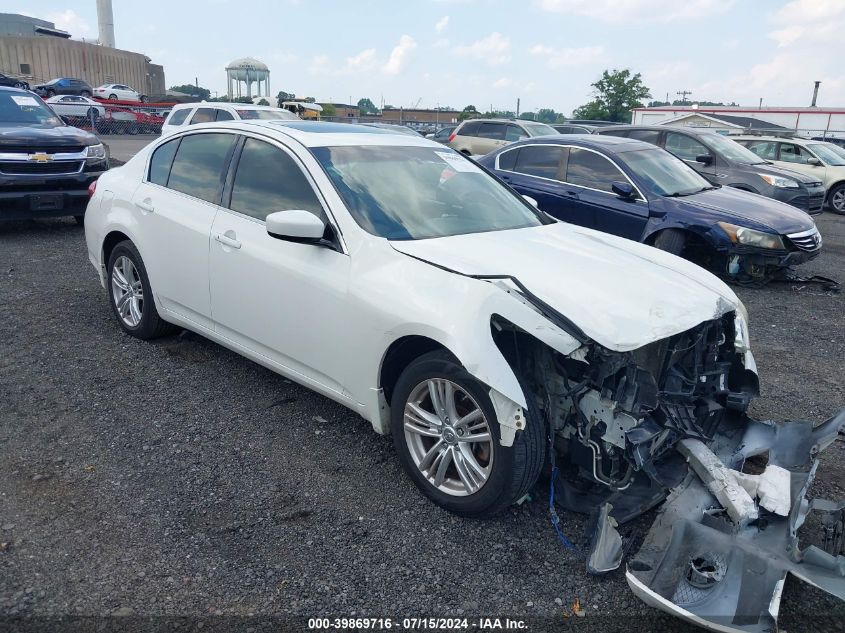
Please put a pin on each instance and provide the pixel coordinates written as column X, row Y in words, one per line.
column 327, row 252
column 81, row 88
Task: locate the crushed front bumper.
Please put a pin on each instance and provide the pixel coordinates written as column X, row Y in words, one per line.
column 722, row 565
column 744, row 262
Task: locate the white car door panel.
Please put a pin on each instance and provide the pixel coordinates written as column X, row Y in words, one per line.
column 281, row 299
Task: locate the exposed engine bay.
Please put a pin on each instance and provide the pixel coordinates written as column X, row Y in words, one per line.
column 628, row 429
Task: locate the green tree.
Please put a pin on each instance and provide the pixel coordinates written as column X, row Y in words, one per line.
column 546, row 115
column 329, row 110
column 527, row 116
column 615, row 94
column 192, row 90
column 366, row 106
column 285, row 96
column 468, row 112
column 263, row 102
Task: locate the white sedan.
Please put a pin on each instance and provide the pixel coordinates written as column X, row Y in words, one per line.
column 402, row 280
column 75, row 106
column 119, row 92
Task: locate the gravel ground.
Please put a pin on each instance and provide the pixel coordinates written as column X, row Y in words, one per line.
column 176, row 478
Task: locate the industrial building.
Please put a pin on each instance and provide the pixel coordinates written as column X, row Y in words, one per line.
column 810, row 120
column 36, row 51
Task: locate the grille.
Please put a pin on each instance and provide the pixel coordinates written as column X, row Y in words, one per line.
column 807, row 240
column 38, row 149
column 26, row 169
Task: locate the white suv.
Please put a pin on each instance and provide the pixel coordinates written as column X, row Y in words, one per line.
column 205, row 112
column 819, row 159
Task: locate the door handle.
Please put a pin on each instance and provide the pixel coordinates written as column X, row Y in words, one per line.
column 227, row 240
column 145, row 205
column 504, row 177
column 572, row 194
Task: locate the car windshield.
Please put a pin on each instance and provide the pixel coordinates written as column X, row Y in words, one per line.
column 836, row 149
column 265, row 115
column 828, row 154
column 663, row 173
column 732, row 150
column 413, row 193
column 539, row 129
column 26, row 110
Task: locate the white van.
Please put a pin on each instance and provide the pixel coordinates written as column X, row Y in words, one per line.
column 206, row 112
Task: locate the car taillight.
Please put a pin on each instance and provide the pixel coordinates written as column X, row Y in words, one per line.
column 451, row 137
column 92, row 188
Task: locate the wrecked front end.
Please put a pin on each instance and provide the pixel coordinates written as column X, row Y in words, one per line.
column 628, row 429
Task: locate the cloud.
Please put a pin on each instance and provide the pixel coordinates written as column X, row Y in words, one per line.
column 441, row 43
column 503, row 82
column 493, row 49
column 69, row 21
column 804, row 22
column 362, row 62
column 638, row 10
column 442, row 23
column 562, row 57
column 399, row 55
column 319, row 65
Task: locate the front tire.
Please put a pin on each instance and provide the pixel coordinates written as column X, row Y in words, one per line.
column 131, row 296
column 836, row 199
column 672, row 241
column 447, row 436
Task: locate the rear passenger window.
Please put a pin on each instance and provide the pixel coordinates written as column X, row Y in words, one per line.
column 179, row 117
column 763, row 149
column 198, row 167
column 588, row 169
column 269, row 180
column 203, row 115
column 469, row 129
column 161, row 161
column 507, row 160
column 539, row 160
column 494, row 131
column 223, row 115
column 649, row 136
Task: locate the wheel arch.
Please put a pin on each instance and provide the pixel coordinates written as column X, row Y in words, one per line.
column 401, row 353
column 112, row 239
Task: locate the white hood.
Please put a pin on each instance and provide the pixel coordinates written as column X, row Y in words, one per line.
column 622, row 294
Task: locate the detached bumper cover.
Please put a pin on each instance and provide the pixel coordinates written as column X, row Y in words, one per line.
column 727, row 574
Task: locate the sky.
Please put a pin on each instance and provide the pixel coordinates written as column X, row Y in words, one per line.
column 487, row 53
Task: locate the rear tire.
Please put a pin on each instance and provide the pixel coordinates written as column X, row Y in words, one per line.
column 144, row 99
column 112, row 97
column 511, row 471
column 836, row 199
column 132, row 275
column 51, row 93
column 85, row 94
column 672, row 241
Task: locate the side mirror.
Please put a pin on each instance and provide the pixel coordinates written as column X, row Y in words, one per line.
column 622, row 189
column 531, row 201
column 704, row 159
column 815, row 162
column 295, row 226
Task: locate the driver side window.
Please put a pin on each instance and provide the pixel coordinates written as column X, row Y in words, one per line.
column 269, row 180
column 685, row 147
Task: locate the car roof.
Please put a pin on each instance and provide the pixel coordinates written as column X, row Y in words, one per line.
column 323, row 134
column 658, row 128
column 775, row 138
column 614, row 144
column 214, row 104
column 20, row 91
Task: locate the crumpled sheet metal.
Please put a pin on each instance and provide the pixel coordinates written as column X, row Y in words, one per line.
column 747, row 565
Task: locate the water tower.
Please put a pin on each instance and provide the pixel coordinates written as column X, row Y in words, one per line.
column 247, row 71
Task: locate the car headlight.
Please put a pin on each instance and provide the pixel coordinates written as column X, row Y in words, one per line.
column 742, row 340
column 780, row 181
column 750, row 237
column 96, row 152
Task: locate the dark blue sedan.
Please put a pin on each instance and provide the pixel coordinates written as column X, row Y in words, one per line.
column 636, row 190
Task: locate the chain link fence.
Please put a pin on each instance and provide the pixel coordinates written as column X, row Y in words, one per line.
column 106, row 118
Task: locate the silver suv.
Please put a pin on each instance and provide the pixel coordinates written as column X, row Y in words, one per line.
column 482, row 136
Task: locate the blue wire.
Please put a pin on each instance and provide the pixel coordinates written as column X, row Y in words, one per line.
column 555, row 519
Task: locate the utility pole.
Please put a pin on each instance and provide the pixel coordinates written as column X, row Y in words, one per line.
column 684, row 94
column 517, row 107
column 761, row 103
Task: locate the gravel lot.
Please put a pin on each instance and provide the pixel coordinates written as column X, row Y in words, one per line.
column 175, row 478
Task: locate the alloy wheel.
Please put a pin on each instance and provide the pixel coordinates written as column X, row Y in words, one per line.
column 448, row 437
column 837, row 200
column 127, row 291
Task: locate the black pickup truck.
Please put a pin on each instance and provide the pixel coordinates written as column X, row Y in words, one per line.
column 46, row 165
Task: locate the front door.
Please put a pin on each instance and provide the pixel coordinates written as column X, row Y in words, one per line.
column 283, row 300
column 693, row 153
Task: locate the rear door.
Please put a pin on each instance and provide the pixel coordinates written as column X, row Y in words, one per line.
column 793, row 156
column 591, row 174
column 175, row 208
column 282, row 300
column 689, row 149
